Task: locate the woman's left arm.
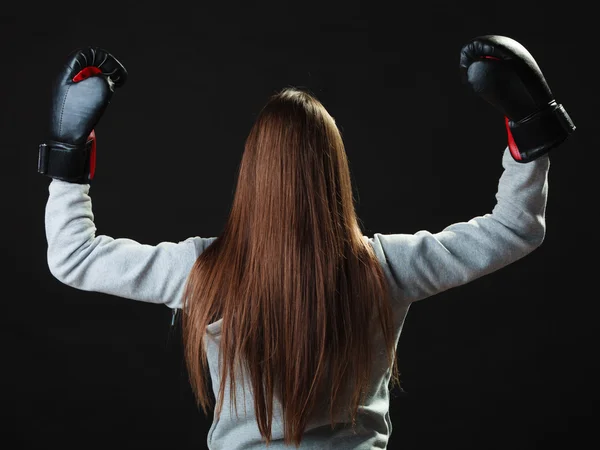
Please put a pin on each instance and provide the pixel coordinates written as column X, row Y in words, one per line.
column 120, row 267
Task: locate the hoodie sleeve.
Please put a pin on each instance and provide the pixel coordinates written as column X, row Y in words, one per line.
column 423, row 264
column 121, row 267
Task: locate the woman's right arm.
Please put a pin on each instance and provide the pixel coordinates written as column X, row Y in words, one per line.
column 424, row 264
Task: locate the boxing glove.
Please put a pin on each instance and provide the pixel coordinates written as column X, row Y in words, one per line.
column 503, row 72
column 80, row 95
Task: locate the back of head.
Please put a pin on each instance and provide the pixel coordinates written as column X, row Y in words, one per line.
column 294, row 175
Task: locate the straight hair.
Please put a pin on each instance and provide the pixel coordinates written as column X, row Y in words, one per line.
column 297, row 285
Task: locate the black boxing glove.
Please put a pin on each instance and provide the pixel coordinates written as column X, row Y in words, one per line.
column 503, row 72
column 80, row 95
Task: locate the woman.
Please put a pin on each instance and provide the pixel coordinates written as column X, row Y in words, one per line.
column 291, row 308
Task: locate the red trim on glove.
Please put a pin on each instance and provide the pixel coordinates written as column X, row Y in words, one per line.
column 512, row 146
column 92, row 137
column 86, row 73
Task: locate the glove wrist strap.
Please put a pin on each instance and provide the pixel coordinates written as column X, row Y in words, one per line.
column 539, row 133
column 67, row 162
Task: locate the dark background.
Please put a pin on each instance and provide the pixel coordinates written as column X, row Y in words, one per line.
column 505, row 362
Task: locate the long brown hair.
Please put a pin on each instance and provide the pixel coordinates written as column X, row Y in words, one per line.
column 291, row 275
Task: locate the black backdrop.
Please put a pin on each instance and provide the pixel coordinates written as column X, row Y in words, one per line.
column 504, row 362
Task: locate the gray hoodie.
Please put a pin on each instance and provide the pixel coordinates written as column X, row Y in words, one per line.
column 417, row 265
